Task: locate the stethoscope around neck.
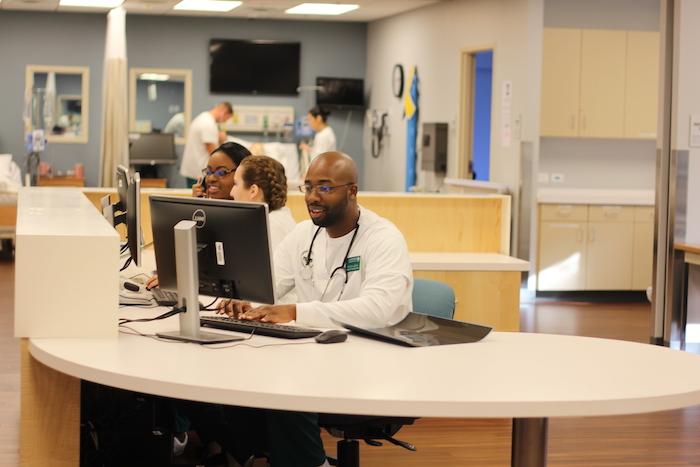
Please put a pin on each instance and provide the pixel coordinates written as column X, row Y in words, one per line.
column 307, row 260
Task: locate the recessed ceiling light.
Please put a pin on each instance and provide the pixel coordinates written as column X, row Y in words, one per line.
column 322, row 9
column 92, row 3
column 207, row 5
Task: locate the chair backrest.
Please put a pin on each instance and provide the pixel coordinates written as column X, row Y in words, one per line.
column 433, row 298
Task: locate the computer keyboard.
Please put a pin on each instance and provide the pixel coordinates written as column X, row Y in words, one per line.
column 164, row 297
column 265, row 329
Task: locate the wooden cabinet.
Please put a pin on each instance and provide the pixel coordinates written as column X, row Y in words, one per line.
column 599, row 83
column 561, row 74
column 61, row 181
column 642, row 84
column 562, row 260
column 594, row 247
column 602, row 101
column 643, row 248
column 609, row 254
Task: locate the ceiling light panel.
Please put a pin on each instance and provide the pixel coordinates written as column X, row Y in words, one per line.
column 207, row 5
column 91, row 3
column 327, row 9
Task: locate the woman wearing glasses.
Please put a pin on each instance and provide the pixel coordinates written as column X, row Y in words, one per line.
column 217, row 177
column 261, row 178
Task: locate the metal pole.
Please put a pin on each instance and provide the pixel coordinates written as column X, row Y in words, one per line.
column 663, row 217
column 529, row 444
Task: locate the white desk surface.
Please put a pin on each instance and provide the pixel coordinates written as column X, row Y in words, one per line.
column 59, row 212
column 505, row 375
column 463, row 261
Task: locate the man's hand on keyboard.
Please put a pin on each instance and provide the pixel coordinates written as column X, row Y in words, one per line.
column 272, row 313
column 233, row 308
column 152, row 282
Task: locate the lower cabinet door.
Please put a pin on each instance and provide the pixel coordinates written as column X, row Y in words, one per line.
column 643, row 255
column 562, row 256
column 609, row 256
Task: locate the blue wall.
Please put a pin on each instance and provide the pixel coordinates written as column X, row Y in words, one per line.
column 481, row 146
column 328, row 49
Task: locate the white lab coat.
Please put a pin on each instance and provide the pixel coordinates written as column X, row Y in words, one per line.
column 281, row 224
column 324, row 141
column 203, row 130
column 376, row 295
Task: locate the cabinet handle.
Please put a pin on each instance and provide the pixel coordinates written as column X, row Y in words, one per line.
column 591, row 235
column 579, row 235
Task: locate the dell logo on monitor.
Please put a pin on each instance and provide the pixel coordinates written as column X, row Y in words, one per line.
column 199, row 217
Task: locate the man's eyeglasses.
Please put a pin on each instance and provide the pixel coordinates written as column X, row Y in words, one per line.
column 321, row 189
column 219, row 171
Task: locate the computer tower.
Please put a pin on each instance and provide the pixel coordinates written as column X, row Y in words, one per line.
column 434, row 154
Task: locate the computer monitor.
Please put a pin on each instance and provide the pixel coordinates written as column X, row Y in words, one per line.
column 127, row 210
column 133, row 218
column 233, row 246
column 152, row 148
column 122, row 187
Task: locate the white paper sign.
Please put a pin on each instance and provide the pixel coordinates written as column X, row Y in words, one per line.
column 506, row 116
column 695, row 131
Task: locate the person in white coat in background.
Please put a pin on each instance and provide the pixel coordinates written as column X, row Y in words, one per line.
column 324, row 138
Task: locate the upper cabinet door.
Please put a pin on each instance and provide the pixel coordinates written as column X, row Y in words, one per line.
column 642, row 89
column 561, row 74
column 602, row 83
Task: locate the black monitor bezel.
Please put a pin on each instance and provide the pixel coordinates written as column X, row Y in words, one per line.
column 214, row 286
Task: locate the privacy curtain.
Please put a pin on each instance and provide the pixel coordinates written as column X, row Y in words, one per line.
column 115, row 125
column 411, row 114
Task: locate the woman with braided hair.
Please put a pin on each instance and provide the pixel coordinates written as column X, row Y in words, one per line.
column 261, row 178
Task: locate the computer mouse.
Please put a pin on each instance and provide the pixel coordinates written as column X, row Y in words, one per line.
column 131, row 286
column 331, row 337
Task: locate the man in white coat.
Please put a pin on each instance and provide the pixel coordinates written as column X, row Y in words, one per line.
column 203, row 137
column 347, row 265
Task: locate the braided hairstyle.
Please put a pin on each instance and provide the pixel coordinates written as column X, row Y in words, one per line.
column 269, row 176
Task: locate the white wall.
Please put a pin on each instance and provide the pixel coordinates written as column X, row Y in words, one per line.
column 599, row 163
column 686, row 101
column 431, row 38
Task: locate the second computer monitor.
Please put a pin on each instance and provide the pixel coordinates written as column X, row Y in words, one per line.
column 152, row 148
column 233, row 243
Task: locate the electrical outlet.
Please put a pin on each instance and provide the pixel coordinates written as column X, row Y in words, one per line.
column 543, row 177
column 557, row 178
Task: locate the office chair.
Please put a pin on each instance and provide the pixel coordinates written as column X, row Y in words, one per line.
column 433, row 298
column 430, row 297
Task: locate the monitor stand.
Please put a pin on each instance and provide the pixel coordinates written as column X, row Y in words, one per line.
column 186, row 267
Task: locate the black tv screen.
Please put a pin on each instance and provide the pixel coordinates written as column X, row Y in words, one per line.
column 253, row 67
column 340, row 92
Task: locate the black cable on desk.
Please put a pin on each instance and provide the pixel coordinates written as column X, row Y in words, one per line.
column 174, row 311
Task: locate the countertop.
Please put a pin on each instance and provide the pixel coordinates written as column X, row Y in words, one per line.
column 595, row 196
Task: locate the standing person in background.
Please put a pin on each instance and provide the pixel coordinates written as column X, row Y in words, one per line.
column 203, row 137
column 324, row 139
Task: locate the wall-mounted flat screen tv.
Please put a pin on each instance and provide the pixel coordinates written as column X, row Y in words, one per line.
column 340, row 92
column 253, row 67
